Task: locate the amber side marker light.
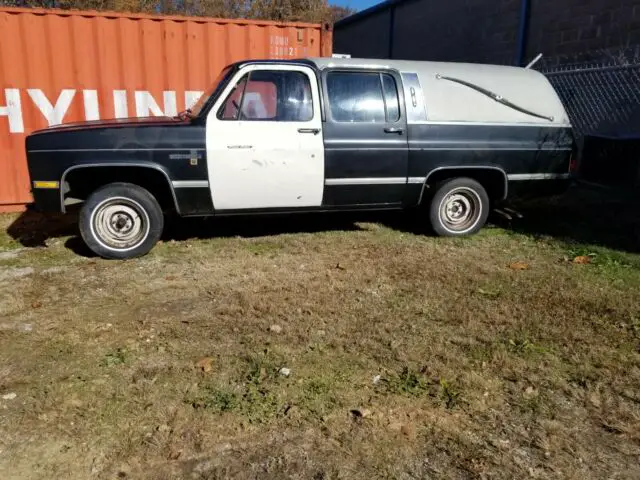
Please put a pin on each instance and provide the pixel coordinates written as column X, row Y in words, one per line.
column 45, row 184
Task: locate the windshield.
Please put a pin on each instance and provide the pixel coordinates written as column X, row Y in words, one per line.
column 197, row 107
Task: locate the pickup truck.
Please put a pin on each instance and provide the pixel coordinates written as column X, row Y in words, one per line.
column 319, row 134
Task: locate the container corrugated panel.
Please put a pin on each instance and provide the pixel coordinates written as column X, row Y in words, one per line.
column 60, row 66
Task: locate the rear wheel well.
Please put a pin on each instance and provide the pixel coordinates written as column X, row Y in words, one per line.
column 493, row 180
column 79, row 183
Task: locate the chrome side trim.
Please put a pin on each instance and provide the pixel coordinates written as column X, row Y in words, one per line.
column 414, row 97
column 139, row 165
column 538, row 176
column 367, row 149
column 416, row 180
column 366, row 181
column 339, row 141
column 417, row 144
column 190, row 183
column 367, row 66
column 120, row 150
column 490, row 124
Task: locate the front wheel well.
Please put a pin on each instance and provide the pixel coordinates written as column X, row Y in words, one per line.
column 493, row 180
column 79, row 183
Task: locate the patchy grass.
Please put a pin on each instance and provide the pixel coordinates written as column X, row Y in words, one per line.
column 407, row 382
column 521, row 345
column 408, row 356
column 448, row 393
column 114, row 358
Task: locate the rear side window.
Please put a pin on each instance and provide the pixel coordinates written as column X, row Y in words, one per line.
column 272, row 96
column 391, row 98
column 363, row 97
column 355, row 97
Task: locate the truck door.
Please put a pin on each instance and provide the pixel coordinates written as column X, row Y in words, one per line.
column 264, row 140
column 365, row 137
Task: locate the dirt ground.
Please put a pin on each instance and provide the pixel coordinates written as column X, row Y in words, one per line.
column 326, row 347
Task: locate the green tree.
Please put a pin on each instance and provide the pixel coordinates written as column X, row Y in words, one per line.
column 313, row 11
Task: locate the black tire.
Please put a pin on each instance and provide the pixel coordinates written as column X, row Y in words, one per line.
column 120, row 221
column 459, row 207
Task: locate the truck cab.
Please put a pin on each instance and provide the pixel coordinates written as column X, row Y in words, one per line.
column 313, row 135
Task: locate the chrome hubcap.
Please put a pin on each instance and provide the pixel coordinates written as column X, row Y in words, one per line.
column 120, row 223
column 460, row 209
column 457, row 209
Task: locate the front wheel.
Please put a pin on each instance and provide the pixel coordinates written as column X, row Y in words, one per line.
column 459, row 207
column 121, row 220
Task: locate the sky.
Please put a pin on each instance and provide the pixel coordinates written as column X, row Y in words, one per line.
column 355, row 4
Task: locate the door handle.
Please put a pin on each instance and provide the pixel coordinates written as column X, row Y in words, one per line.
column 239, row 146
column 315, row 131
column 399, row 131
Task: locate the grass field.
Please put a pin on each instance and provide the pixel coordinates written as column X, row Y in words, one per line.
column 496, row 356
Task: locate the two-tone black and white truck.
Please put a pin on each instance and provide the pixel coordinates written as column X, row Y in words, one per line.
column 318, row 134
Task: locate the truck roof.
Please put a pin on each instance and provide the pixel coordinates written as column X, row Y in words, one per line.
column 450, row 96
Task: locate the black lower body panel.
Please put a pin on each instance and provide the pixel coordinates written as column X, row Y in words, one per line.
column 47, row 199
column 538, row 188
column 353, row 195
column 194, row 201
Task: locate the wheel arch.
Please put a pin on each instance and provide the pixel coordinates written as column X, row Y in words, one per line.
column 117, row 165
column 488, row 176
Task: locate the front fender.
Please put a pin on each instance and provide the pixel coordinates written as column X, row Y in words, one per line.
column 49, row 183
column 116, row 165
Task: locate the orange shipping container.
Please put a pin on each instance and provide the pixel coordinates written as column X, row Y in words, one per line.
column 60, row 66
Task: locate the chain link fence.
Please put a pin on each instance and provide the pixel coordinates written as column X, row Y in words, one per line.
column 601, row 97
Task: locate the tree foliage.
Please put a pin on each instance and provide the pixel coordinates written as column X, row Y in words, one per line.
column 314, row 11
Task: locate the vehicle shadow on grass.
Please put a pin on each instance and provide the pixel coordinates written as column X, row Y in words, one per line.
column 256, row 226
column 33, row 229
column 585, row 215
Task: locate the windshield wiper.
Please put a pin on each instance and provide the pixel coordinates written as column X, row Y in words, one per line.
column 185, row 114
column 496, row 97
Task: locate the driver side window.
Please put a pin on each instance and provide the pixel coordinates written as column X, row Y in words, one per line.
column 231, row 107
column 272, row 96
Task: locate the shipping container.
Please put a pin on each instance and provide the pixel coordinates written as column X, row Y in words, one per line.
column 58, row 66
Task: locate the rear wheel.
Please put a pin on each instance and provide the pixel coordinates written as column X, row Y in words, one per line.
column 459, row 206
column 121, row 220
